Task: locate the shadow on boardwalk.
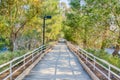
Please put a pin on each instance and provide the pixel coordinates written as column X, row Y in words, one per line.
column 59, row 64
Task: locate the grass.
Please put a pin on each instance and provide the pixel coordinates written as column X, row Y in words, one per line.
column 107, row 57
column 7, row 56
column 1, row 45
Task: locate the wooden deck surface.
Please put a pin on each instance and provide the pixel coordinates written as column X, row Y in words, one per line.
column 59, row 64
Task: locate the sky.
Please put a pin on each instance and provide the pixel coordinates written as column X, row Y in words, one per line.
column 65, row 1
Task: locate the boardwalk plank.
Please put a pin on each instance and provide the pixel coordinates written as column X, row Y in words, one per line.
column 59, row 64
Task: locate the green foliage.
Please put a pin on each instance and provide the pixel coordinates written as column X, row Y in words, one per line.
column 21, row 22
column 1, row 45
column 90, row 24
column 75, row 4
column 103, row 55
column 7, row 56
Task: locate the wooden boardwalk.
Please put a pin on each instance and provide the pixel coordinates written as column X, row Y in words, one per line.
column 59, row 64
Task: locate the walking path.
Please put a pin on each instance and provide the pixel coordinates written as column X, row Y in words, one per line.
column 59, row 64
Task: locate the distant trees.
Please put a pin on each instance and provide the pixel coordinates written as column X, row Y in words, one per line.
column 17, row 14
column 90, row 25
column 21, row 21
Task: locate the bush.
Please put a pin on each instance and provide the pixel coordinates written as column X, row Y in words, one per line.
column 1, row 45
column 7, row 56
column 107, row 57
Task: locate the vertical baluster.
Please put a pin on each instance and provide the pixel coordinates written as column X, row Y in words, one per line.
column 11, row 70
column 32, row 57
column 24, row 62
column 109, row 73
column 94, row 62
column 86, row 57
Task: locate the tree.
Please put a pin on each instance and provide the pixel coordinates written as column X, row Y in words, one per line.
column 21, row 21
column 92, row 22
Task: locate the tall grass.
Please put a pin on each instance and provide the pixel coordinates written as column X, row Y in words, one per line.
column 108, row 57
column 7, row 56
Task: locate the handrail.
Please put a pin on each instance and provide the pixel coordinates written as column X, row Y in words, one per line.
column 22, row 59
column 87, row 56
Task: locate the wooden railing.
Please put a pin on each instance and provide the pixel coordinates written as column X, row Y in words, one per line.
column 12, row 67
column 110, row 72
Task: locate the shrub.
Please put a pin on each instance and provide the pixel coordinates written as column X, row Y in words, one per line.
column 107, row 57
column 7, row 56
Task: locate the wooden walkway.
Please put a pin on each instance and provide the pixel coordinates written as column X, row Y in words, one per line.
column 59, row 64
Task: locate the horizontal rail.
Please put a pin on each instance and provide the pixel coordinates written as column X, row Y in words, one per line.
column 20, row 62
column 95, row 60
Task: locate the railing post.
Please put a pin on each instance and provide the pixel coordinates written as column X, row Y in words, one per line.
column 43, row 48
column 24, row 62
column 32, row 57
column 94, row 62
column 11, row 70
column 82, row 55
column 109, row 72
column 40, row 49
column 86, row 57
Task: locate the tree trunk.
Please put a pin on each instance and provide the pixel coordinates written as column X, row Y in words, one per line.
column 13, row 42
column 84, row 43
column 117, row 47
column 115, row 53
column 103, row 44
column 29, row 45
column 11, row 45
column 15, row 45
column 105, row 33
column 85, row 38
